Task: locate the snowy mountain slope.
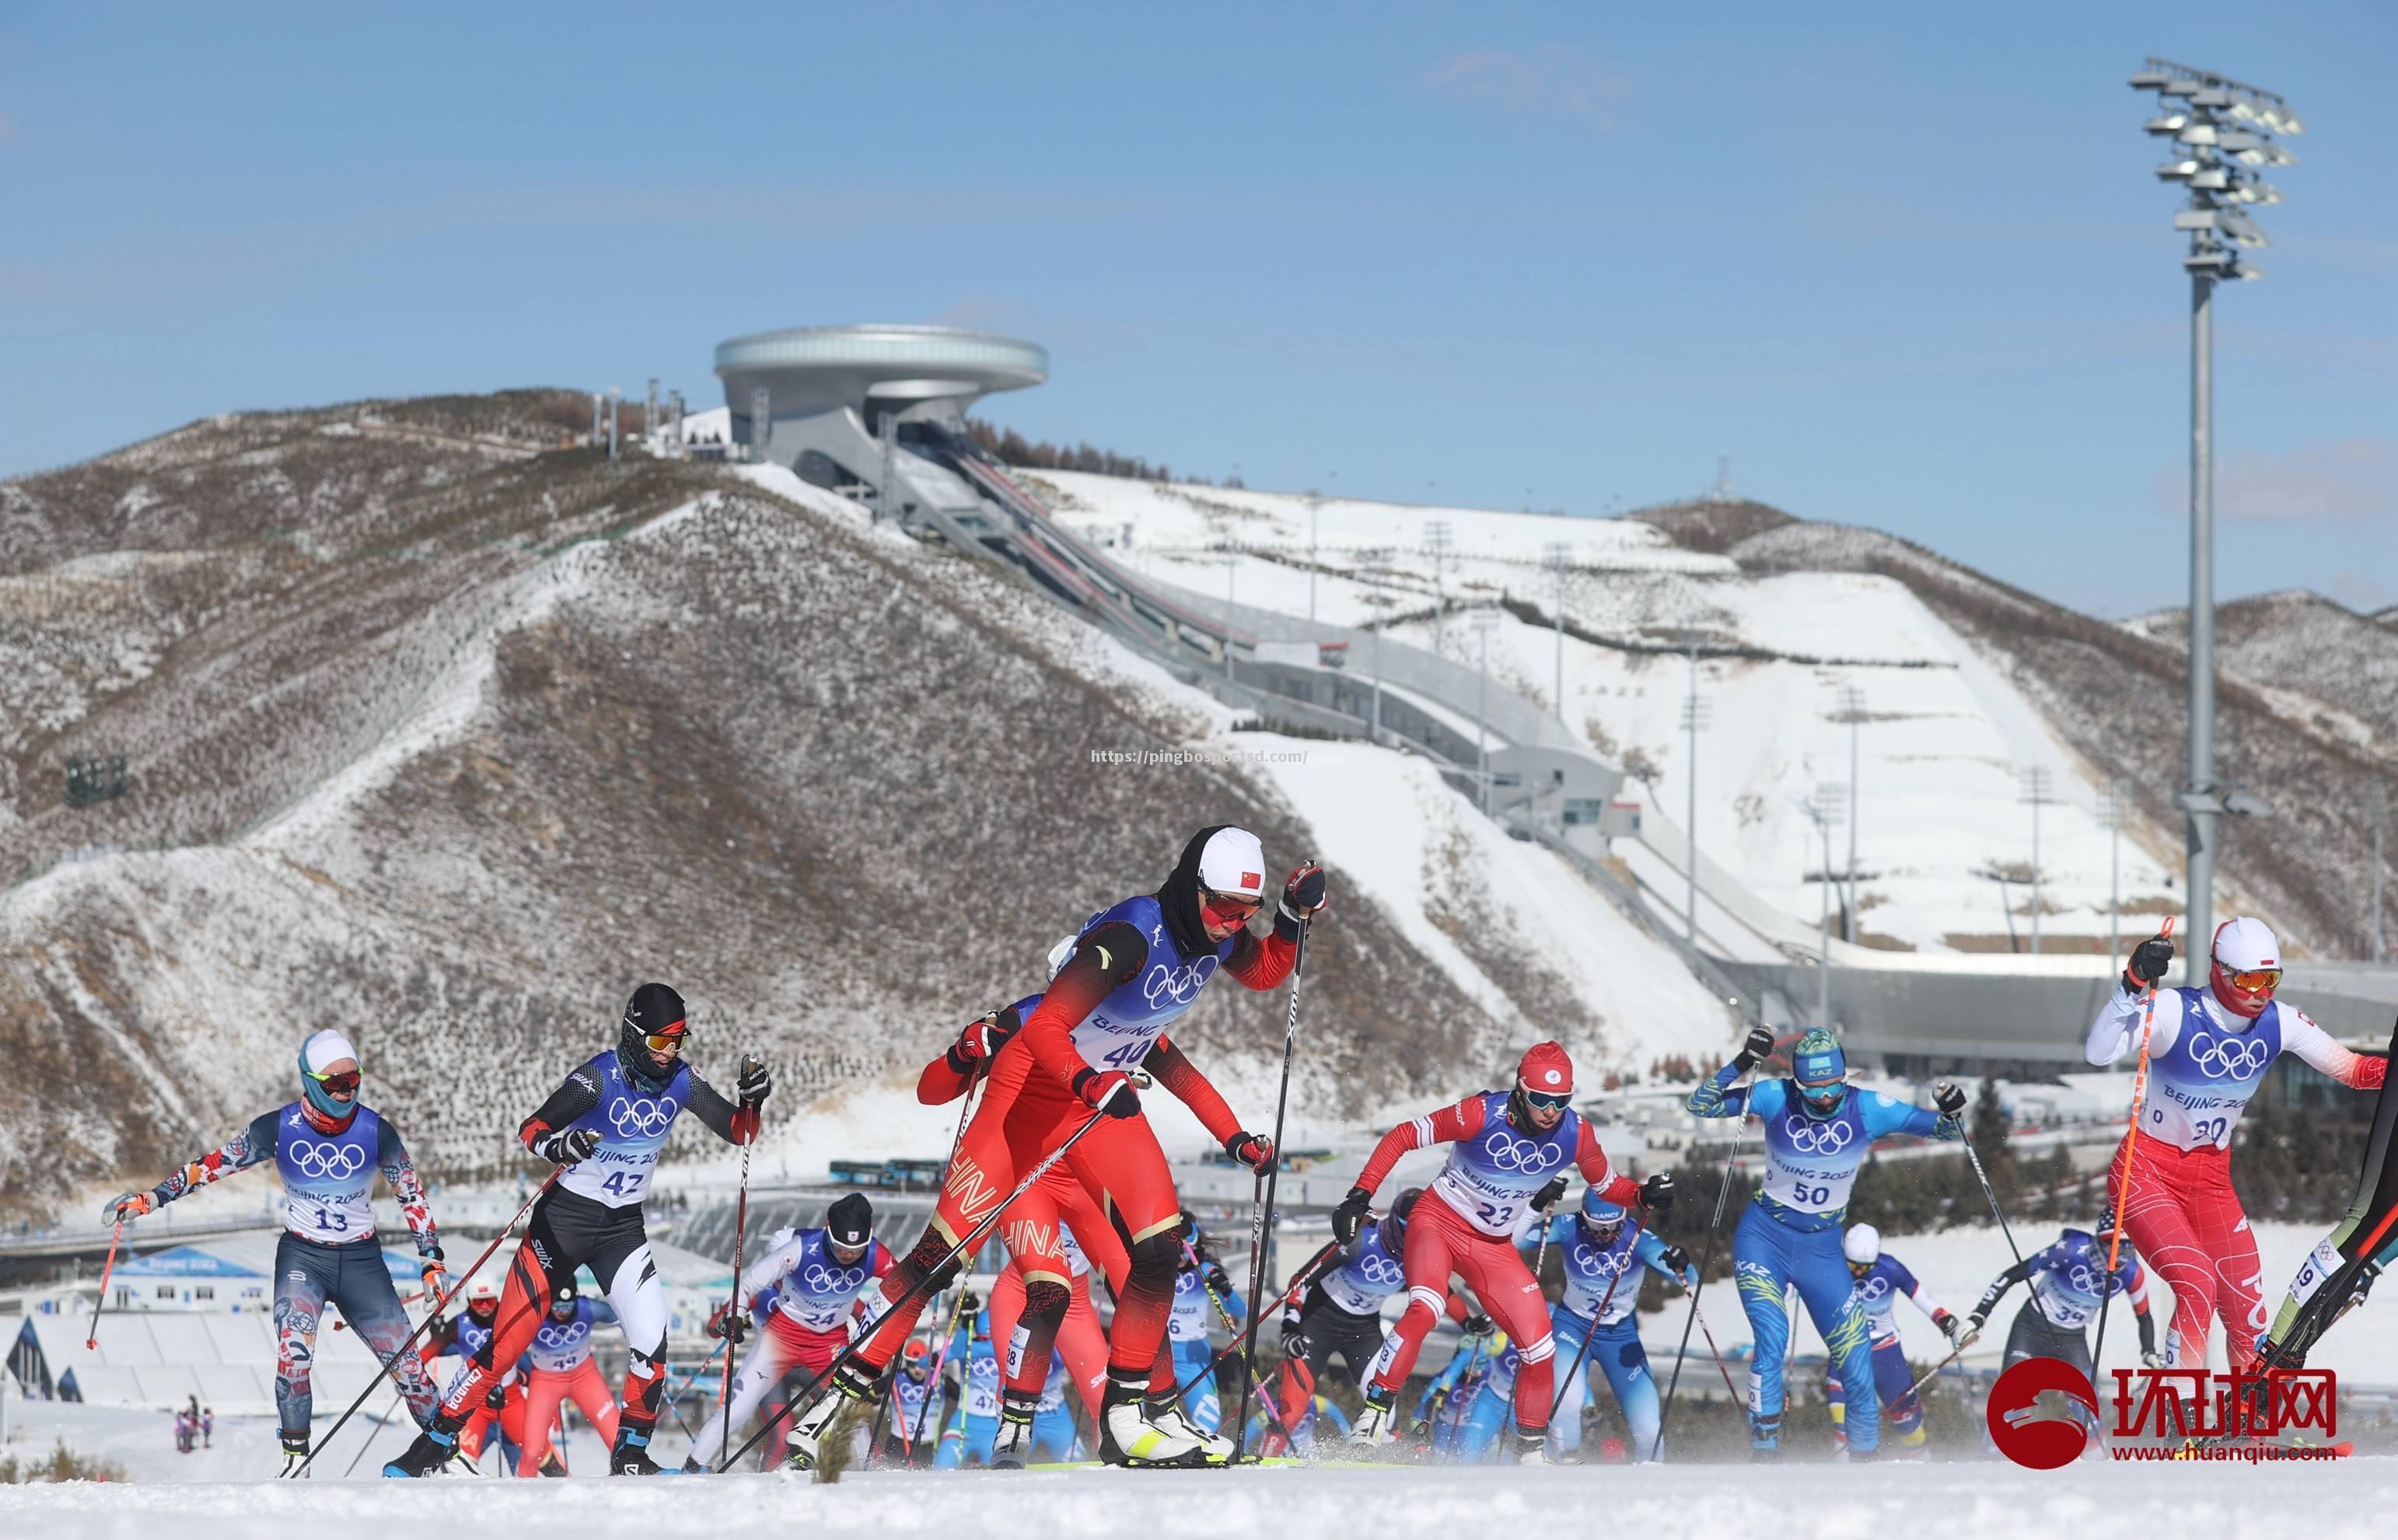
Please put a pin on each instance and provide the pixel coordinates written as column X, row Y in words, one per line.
column 2116, row 698
column 1945, row 738
column 2342, row 664
column 425, row 768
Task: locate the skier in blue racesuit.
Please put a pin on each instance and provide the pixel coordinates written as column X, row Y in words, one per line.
column 975, row 1359
column 1882, row 1281
column 1599, row 1249
column 1450, row 1393
column 1197, row 1276
column 1818, row 1129
column 1053, row 1434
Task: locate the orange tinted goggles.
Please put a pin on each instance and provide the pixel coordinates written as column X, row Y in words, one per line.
column 2257, row 981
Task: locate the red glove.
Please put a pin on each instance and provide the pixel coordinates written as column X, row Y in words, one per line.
column 983, row 1037
column 1108, row 1091
column 1302, row 895
column 1253, row 1150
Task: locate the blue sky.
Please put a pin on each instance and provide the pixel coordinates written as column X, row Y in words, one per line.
column 1907, row 272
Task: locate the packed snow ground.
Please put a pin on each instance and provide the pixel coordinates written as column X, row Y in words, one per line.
column 1941, row 751
column 2092, row 1501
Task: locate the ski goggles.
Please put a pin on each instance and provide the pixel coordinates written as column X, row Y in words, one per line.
column 1824, row 1097
column 2256, row 980
column 1228, row 908
column 668, row 1041
column 1546, row 1101
column 344, row 1083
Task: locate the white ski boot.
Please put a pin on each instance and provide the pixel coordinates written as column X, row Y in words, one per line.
column 1373, row 1429
column 1013, row 1444
column 1532, row 1449
column 804, row 1441
column 1164, row 1412
column 1128, row 1436
column 295, row 1457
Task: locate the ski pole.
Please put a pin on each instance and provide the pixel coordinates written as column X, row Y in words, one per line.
column 958, row 1304
column 2131, row 1143
column 809, row 1393
column 1231, row 1326
column 1715, row 1224
column 91, row 1338
column 1954, row 1353
column 1631, row 1259
column 1262, row 1218
column 409, row 1342
column 1299, row 1281
column 367, row 1442
column 1720, row 1367
column 740, row 1233
column 405, row 1301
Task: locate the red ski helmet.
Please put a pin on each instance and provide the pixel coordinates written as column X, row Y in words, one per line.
column 2245, row 966
column 1545, row 1071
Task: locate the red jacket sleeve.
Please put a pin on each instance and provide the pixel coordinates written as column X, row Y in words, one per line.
column 1109, row 955
column 1462, row 1120
column 941, row 1082
column 1179, row 1075
column 1261, row 964
column 1592, row 1159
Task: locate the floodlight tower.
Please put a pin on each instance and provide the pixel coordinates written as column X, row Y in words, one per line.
column 1439, row 540
column 2220, row 131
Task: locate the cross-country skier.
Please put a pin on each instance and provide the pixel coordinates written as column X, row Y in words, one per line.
column 1134, row 969
column 973, row 1359
column 502, row 1413
column 1202, row 1288
column 1881, row 1281
column 327, row 1146
column 1511, row 1152
column 808, row 1287
column 1079, row 1339
column 2069, row 1284
column 1440, row 1413
column 913, row 1430
column 1818, row 1129
column 2343, row 1265
column 2208, row 1051
column 1053, row 1434
column 1598, row 1252
column 561, row 1369
column 605, row 1129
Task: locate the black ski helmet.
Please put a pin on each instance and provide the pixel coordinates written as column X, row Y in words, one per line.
column 1398, row 1216
column 654, row 1010
column 849, row 1224
column 565, row 1294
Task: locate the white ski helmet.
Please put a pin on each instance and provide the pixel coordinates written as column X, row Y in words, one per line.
column 1234, row 863
column 2246, row 966
column 1862, row 1245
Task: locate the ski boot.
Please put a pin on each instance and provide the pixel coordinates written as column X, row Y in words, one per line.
column 691, row 1466
column 1129, row 1437
column 1864, row 1456
column 428, row 1455
column 1166, row 1413
column 295, row 1455
column 853, row 1383
column 553, row 1463
column 631, row 1455
column 1533, row 1447
column 1013, row 1445
column 1374, row 1432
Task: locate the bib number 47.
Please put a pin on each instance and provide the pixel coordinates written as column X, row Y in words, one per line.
column 623, row 1184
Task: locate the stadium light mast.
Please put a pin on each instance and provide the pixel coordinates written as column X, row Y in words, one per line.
column 2220, row 132
column 1439, row 540
column 1557, row 555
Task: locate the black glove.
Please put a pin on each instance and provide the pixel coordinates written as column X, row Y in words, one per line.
column 1253, row 1150
column 1948, row 1324
column 1547, row 1197
column 728, row 1323
column 496, row 1397
column 1475, row 1326
column 1349, row 1217
column 755, row 1084
column 1676, row 1259
column 1755, row 1050
column 2149, row 961
column 1219, row 1279
column 1294, row 1342
column 568, row 1146
column 1108, row 1092
column 1948, row 1099
column 1657, row 1194
column 1302, row 895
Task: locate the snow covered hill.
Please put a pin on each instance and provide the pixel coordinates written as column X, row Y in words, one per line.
column 449, row 738
column 1943, row 746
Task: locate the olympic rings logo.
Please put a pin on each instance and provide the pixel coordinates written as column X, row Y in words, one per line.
column 2233, row 1058
column 2081, row 1280
column 328, row 1159
column 1382, row 1272
column 1591, row 1263
column 821, row 1279
column 558, row 1337
column 1814, row 1138
column 1523, row 1155
column 638, row 1117
column 1872, row 1289
column 1176, row 984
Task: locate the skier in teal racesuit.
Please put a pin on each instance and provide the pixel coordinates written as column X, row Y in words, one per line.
column 1818, row 1129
